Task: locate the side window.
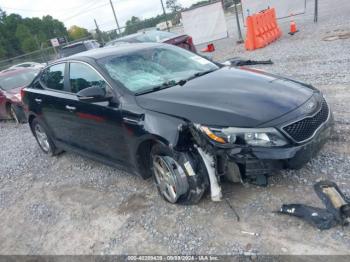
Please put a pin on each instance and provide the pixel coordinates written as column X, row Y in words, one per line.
column 53, row 77
column 82, row 76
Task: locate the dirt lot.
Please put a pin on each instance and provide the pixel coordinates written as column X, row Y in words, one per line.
column 72, row 205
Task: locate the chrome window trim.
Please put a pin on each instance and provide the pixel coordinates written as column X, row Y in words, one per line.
column 94, row 69
column 317, row 129
column 45, row 86
column 75, row 61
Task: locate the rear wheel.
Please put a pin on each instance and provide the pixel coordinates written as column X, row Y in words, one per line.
column 173, row 182
column 43, row 138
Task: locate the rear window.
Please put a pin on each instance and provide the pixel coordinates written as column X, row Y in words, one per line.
column 18, row 80
column 71, row 50
column 53, row 77
column 155, row 36
column 147, row 37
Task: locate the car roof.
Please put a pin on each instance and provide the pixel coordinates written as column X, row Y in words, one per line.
column 98, row 53
column 14, row 71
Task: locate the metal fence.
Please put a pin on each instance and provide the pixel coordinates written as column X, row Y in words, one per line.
column 44, row 55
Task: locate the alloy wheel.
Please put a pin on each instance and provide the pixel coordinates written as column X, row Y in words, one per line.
column 170, row 178
column 42, row 138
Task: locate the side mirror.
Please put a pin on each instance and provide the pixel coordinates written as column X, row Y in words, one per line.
column 93, row 94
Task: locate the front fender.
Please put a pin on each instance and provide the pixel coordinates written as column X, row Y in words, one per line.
column 163, row 127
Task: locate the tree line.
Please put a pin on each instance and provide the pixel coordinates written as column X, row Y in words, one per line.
column 23, row 35
column 20, row 35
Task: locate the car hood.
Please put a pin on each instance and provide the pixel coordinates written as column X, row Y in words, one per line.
column 229, row 97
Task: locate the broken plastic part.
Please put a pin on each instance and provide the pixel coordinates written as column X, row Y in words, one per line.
column 318, row 217
column 215, row 189
column 335, row 213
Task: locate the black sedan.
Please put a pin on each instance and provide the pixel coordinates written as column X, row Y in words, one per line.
column 159, row 110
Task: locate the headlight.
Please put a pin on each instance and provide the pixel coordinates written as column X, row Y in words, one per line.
column 265, row 137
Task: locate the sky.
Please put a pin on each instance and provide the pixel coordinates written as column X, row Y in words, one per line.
column 83, row 12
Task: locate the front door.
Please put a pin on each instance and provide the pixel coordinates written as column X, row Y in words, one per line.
column 95, row 127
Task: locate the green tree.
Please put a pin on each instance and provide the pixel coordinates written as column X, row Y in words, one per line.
column 2, row 51
column 173, row 6
column 76, row 32
column 132, row 25
column 135, row 24
column 17, row 34
column 52, row 27
column 26, row 39
column 200, row 3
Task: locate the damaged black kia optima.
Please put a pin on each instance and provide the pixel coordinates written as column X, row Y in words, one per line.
column 161, row 111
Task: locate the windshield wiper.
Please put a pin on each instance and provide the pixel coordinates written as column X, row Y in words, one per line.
column 200, row 74
column 172, row 83
column 160, row 87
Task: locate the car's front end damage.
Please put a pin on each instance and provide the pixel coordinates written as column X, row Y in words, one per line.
column 242, row 123
column 251, row 154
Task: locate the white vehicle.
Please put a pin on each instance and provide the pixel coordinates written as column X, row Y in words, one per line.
column 163, row 26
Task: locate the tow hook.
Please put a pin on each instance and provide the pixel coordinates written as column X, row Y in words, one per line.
column 215, row 189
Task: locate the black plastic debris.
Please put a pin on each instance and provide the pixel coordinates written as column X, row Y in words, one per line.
column 337, row 211
column 237, row 61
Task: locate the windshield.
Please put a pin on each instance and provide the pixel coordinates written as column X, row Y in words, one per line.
column 145, row 69
column 17, row 80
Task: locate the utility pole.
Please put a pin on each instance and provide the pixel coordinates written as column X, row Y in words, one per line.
column 316, row 11
column 240, row 38
column 98, row 32
column 164, row 13
column 115, row 16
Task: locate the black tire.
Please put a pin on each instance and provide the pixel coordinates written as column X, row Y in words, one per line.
column 198, row 183
column 16, row 114
column 51, row 150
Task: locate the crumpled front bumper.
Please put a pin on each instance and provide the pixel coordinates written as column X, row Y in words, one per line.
column 261, row 161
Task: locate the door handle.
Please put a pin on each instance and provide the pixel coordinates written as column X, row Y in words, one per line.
column 71, row 108
column 38, row 100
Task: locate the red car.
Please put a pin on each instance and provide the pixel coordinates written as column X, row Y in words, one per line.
column 12, row 81
column 156, row 36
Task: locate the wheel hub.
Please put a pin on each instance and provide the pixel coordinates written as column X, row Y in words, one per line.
column 170, row 178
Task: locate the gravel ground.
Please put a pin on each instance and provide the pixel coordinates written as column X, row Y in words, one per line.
column 71, row 205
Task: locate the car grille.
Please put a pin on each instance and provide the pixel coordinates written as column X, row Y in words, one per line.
column 304, row 129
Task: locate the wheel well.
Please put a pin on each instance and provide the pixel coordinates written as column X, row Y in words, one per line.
column 8, row 107
column 143, row 158
column 30, row 120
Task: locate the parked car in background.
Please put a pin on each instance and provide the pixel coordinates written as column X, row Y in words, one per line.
column 162, row 111
column 155, row 36
column 12, row 81
column 28, row 65
column 78, row 47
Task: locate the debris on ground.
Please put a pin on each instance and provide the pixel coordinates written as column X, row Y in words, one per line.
column 247, row 62
column 337, row 211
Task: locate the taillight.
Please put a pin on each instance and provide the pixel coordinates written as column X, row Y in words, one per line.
column 22, row 94
column 190, row 40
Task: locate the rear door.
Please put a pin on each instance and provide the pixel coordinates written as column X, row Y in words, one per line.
column 49, row 99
